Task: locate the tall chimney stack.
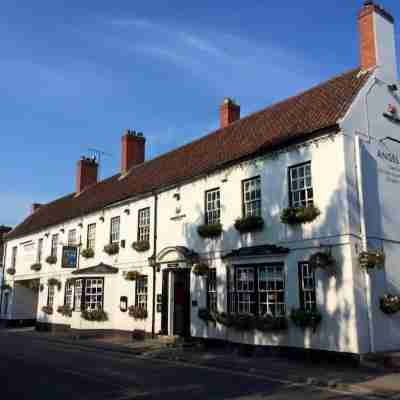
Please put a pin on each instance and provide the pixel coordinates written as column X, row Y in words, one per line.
column 35, row 207
column 229, row 112
column 86, row 173
column 133, row 150
column 377, row 40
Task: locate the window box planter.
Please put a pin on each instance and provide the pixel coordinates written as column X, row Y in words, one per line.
column 271, row 324
column 138, row 335
column 322, row 261
column 10, row 271
column 87, row 253
column 51, row 260
column 65, row 310
column 201, row 269
column 54, row 282
column 137, row 312
column 372, row 259
column 111, row 249
column 47, row 310
column 94, row 315
column 306, row 319
column 249, row 224
column 209, row 230
column 141, row 245
column 6, row 287
column 389, row 304
column 133, row 275
column 36, row 267
column 299, row 215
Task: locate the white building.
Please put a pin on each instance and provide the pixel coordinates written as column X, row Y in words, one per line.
column 333, row 147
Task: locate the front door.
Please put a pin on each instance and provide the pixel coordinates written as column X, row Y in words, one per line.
column 181, row 303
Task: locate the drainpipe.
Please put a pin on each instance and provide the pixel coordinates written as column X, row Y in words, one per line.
column 3, row 267
column 154, row 264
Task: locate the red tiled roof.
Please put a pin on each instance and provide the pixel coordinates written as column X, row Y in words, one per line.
column 294, row 119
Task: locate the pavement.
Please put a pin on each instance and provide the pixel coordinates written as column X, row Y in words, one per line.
column 118, row 368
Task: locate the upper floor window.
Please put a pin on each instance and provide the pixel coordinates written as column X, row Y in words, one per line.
column 252, row 197
column 300, row 185
column 114, row 230
column 144, row 225
column 213, row 207
column 141, row 292
column 308, row 300
column 212, row 289
column 39, row 250
column 91, row 236
column 14, row 257
column 72, row 238
column 54, row 244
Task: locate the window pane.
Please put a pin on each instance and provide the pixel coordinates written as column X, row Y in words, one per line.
column 301, row 190
column 271, row 288
column 213, row 207
column 252, row 197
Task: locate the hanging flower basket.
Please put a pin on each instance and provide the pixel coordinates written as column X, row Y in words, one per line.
column 299, row 215
column 306, row 319
column 141, row 245
column 51, row 260
column 6, row 287
column 201, row 269
column 87, row 253
column 321, row 260
column 33, row 285
column 133, row 275
column 10, row 271
column 209, row 230
column 372, row 259
column 137, row 312
column 47, row 310
column 36, row 267
column 65, row 310
column 54, row 282
column 94, row 315
column 389, row 304
column 111, row 249
column 249, row 224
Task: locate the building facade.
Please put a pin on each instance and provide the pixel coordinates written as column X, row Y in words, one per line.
column 278, row 229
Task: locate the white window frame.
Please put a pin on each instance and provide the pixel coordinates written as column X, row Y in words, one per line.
column 78, row 292
column 213, row 206
column 144, row 225
column 69, row 294
column 94, row 294
column 14, row 254
column 212, row 300
column 115, row 226
column 54, row 245
column 91, row 236
column 141, row 292
column 50, row 295
column 72, row 237
column 301, row 190
column 307, row 284
column 39, row 253
column 252, row 197
column 245, row 289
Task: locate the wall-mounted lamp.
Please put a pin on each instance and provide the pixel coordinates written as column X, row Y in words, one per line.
column 101, row 219
column 127, row 211
column 62, row 230
column 47, row 234
column 123, row 303
column 177, row 196
column 80, row 225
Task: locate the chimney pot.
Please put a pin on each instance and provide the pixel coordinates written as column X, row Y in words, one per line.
column 86, row 173
column 133, row 150
column 229, row 112
column 35, row 207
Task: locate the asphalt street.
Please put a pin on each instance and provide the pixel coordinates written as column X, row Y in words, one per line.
column 38, row 369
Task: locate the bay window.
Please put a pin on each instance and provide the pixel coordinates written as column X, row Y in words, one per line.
column 88, row 294
column 212, row 290
column 308, row 300
column 69, row 292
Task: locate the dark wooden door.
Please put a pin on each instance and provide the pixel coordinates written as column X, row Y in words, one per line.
column 182, row 303
column 164, row 306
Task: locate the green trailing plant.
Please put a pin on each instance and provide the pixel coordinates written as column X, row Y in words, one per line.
column 372, row 259
column 47, row 310
column 249, row 224
column 299, row 215
column 10, row 271
column 209, row 230
column 323, row 261
column 389, row 304
column 201, row 269
column 133, row 275
column 87, row 253
column 54, row 282
column 306, row 319
column 141, row 245
column 51, row 260
column 65, row 310
column 6, row 287
column 36, row 267
column 94, row 315
column 111, row 249
column 269, row 323
column 137, row 312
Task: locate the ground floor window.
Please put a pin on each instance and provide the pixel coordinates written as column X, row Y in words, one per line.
column 212, row 289
column 50, row 296
column 69, row 293
column 257, row 289
column 141, row 292
column 308, row 299
column 88, row 294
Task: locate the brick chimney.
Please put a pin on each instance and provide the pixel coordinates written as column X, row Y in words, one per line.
column 229, row 112
column 377, row 40
column 35, row 207
column 133, row 150
column 86, row 173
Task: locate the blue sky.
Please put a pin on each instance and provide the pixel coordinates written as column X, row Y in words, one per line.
column 74, row 75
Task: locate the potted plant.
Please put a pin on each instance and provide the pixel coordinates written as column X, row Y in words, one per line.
column 47, row 310
column 299, row 215
column 94, row 315
column 10, row 271
column 250, row 223
column 321, row 260
column 141, row 245
column 201, row 269
column 87, row 253
column 389, row 304
column 65, row 310
column 372, row 259
column 137, row 312
column 305, row 319
column 51, row 260
column 209, row 230
column 36, row 267
column 111, row 249
column 54, row 282
column 132, row 275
